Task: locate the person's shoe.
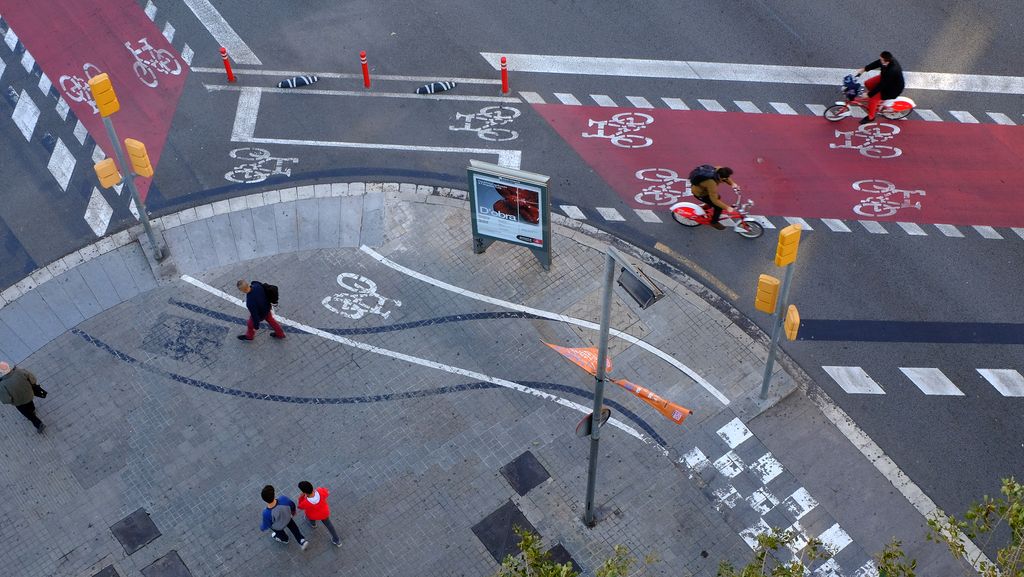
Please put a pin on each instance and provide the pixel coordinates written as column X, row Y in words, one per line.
column 718, row 225
column 41, row 428
column 336, row 543
column 304, row 543
column 278, row 539
column 312, row 523
column 866, row 120
column 244, row 338
column 277, row 336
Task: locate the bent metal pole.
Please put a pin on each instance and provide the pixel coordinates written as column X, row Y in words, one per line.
column 129, row 181
column 602, row 356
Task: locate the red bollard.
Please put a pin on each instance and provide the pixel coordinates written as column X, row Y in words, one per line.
column 227, row 64
column 366, row 69
column 504, row 76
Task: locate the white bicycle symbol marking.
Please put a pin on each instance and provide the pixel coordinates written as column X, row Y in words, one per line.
column 353, row 304
column 260, row 166
column 669, row 189
column 881, row 205
column 77, row 89
column 483, row 123
column 624, row 125
column 149, row 61
column 869, row 136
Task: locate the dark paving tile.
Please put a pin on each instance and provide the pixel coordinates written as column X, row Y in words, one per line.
column 135, row 531
column 524, row 473
column 560, row 554
column 496, row 531
column 170, row 565
column 107, row 571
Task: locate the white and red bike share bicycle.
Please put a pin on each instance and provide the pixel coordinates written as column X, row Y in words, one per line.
column 694, row 214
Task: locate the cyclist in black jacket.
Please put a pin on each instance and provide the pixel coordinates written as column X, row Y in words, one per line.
column 887, row 85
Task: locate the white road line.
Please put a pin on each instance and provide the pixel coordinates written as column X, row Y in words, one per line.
column 222, row 32
column 816, row 109
column 341, row 75
column 62, row 108
column 711, row 105
column 734, row 433
column 609, row 214
column 928, row 115
column 420, row 361
column 28, row 61
column 187, row 54
column 10, row 38
column 782, row 108
column 168, row 32
column 675, row 103
column 912, row 229
column 987, row 232
column 835, row 225
column 568, row 99
column 3, row 66
column 80, row 132
column 854, row 380
column 747, row 106
column 1001, row 118
column 1008, row 382
column 646, row 215
column 776, row 74
column 873, row 227
column 553, row 316
column 639, row 102
column 322, row 92
column 245, row 114
column 964, row 116
column 835, row 539
column 61, row 164
column 603, row 100
column 25, row 116
column 150, row 9
column 532, row 97
column 573, row 212
column 931, row 381
column 949, row 230
column 44, row 82
column 763, row 221
column 797, row 220
column 98, row 213
column 1019, row 231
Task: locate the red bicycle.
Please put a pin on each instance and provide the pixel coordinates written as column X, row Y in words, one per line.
column 893, row 109
column 697, row 213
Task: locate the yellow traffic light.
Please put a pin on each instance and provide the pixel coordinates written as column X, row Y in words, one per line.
column 103, row 94
column 789, row 242
column 792, row 323
column 107, row 172
column 138, row 157
column 767, row 294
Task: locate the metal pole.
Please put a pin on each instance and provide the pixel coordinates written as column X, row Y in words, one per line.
column 602, row 355
column 776, row 330
column 129, row 180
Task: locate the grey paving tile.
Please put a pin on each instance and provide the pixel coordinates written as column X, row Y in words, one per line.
column 60, row 303
column 373, row 225
column 265, row 226
column 286, row 224
column 113, row 265
column 306, row 214
column 223, row 239
column 13, row 347
column 96, row 278
column 328, row 222
column 351, row 220
column 35, row 312
column 80, row 293
column 245, row 234
column 138, row 266
column 181, row 250
column 201, row 241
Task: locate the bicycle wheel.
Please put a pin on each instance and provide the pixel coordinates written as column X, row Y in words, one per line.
column 836, row 112
column 874, row 185
column 168, row 63
column 657, row 197
column 683, row 219
column 74, row 88
column 253, row 154
column 749, row 229
column 145, row 74
column 658, row 175
column 632, row 119
column 502, row 114
column 631, row 141
column 896, row 114
column 356, row 283
column 875, row 209
column 881, row 151
column 498, row 134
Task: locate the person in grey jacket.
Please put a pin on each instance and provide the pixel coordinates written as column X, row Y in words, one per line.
column 16, row 389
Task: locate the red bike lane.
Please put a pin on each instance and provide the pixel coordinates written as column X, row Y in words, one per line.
column 72, row 40
column 805, row 166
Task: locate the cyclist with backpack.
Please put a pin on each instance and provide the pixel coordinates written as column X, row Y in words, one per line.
column 886, row 86
column 704, row 181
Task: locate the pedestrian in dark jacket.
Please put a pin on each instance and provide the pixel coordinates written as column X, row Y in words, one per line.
column 887, row 85
column 259, row 310
column 16, row 389
column 278, row 516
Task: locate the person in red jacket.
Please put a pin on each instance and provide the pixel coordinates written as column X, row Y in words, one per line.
column 314, row 503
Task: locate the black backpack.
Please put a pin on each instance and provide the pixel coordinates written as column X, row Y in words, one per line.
column 271, row 292
column 702, row 173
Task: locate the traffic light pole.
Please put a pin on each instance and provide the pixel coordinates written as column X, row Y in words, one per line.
column 602, row 356
column 776, row 330
column 129, row 181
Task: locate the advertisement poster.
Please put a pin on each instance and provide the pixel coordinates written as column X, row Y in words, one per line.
column 508, row 210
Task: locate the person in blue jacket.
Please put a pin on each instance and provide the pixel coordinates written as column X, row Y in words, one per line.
column 278, row 515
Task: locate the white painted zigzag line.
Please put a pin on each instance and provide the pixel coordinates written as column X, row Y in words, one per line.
column 550, row 315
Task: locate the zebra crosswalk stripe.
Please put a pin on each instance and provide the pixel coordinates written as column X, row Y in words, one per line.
column 763, row 221
column 711, row 105
column 567, row 99
column 912, row 229
column 964, row 116
column 646, row 215
column 928, row 115
column 797, row 220
column 1001, row 118
column 603, row 100
column 1008, row 382
column 931, row 381
column 609, row 214
column 639, row 102
column 816, row 109
column 835, row 225
column 573, row 212
column 25, row 116
column 949, row 230
column 532, row 97
column 873, row 227
column 854, row 380
column 747, row 106
column 987, row 232
column 675, row 103
column 1019, row 231
column 782, row 108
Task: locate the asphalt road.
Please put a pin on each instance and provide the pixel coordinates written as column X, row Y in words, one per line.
column 955, row 448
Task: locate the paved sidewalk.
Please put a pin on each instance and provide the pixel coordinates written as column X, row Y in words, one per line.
column 437, row 417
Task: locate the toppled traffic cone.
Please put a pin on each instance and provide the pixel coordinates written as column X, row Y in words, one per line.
column 435, row 87
column 297, row 81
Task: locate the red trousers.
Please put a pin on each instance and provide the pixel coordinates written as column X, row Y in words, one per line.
column 251, row 327
column 873, row 101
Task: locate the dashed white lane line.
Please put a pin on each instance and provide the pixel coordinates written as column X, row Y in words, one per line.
column 928, row 115
column 25, row 116
column 931, row 381
column 912, row 229
column 322, row 92
column 1018, row 231
column 417, row 360
column 712, row 105
column 28, row 62
column 835, row 225
column 646, row 215
column 1001, row 118
column 782, row 108
column 949, row 230
column 3, row 66
column 573, row 212
column 567, row 99
column 552, row 316
column 168, row 32
column 532, row 97
column 987, row 232
column 61, row 164
column 639, row 102
column 747, row 106
column 1008, row 382
column 854, row 380
column 603, row 100
column 222, row 32
column 98, row 213
column 675, row 103
column 797, row 220
column 816, row 109
column 964, row 116
column 873, row 227
column 150, row 9
column 609, row 214
column 10, row 38
column 44, row 83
